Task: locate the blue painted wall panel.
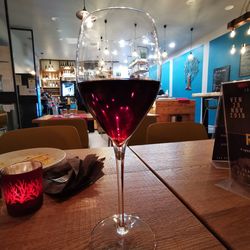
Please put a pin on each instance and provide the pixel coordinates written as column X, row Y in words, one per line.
column 165, row 76
column 153, row 72
column 219, row 56
column 179, row 83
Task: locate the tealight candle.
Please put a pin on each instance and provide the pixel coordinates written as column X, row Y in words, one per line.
column 22, row 187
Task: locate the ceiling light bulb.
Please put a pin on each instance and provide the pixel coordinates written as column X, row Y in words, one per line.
column 232, row 34
column 122, row 43
column 54, row 18
column 190, row 56
column 89, row 23
column 172, row 45
column 81, row 14
column 101, row 63
column 248, row 31
column 145, row 40
column 114, row 52
column 134, row 53
column 243, row 49
column 106, row 52
column 164, row 54
column 233, row 50
column 229, row 7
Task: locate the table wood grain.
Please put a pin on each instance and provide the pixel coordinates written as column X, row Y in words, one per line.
column 187, row 170
column 68, row 224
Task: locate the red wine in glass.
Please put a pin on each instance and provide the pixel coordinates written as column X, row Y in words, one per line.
column 119, row 104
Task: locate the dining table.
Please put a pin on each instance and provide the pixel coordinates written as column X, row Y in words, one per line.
column 85, row 116
column 187, row 170
column 67, row 223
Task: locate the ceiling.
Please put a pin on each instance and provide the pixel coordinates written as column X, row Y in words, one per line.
column 57, row 39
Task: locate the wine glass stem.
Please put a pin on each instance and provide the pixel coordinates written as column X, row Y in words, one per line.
column 119, row 155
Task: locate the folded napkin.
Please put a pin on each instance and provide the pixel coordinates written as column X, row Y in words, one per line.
column 76, row 174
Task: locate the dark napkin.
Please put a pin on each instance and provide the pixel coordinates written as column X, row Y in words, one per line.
column 78, row 174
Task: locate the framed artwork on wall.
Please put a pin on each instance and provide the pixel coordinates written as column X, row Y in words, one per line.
column 245, row 62
column 220, row 75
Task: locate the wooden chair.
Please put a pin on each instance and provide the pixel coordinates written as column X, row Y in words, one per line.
column 62, row 137
column 79, row 124
column 140, row 134
column 175, row 131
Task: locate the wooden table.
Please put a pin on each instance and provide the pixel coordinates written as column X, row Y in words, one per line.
column 187, row 170
column 67, row 225
column 86, row 116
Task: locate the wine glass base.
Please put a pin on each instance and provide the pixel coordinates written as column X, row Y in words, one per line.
column 136, row 234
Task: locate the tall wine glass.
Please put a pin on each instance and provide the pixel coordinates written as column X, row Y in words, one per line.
column 118, row 77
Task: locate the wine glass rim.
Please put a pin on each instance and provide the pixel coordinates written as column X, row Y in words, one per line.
column 121, row 8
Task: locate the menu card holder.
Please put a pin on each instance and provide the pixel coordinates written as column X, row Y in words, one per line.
column 220, row 154
column 236, row 96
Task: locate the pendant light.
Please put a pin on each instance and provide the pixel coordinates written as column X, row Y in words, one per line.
column 243, row 49
column 134, row 53
column 233, row 50
column 106, row 51
column 248, row 31
column 164, row 53
column 82, row 13
column 191, row 56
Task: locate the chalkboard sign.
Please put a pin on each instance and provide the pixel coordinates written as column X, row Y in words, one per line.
column 220, row 75
column 245, row 62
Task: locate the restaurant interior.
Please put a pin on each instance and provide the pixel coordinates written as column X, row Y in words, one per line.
column 184, row 180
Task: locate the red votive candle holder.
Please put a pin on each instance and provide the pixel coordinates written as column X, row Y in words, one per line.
column 22, row 187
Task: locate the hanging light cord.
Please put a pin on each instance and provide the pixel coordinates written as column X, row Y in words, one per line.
column 165, row 27
column 135, row 36
column 105, row 30
column 135, row 30
column 191, row 37
column 84, row 8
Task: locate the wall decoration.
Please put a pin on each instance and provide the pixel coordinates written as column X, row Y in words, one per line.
column 191, row 69
column 220, row 75
column 245, row 62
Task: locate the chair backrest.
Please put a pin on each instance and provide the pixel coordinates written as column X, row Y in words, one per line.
column 79, row 124
column 139, row 136
column 175, row 131
column 62, row 137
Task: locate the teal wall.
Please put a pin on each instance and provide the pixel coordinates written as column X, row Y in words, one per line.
column 153, row 72
column 165, row 76
column 179, row 83
column 219, row 56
